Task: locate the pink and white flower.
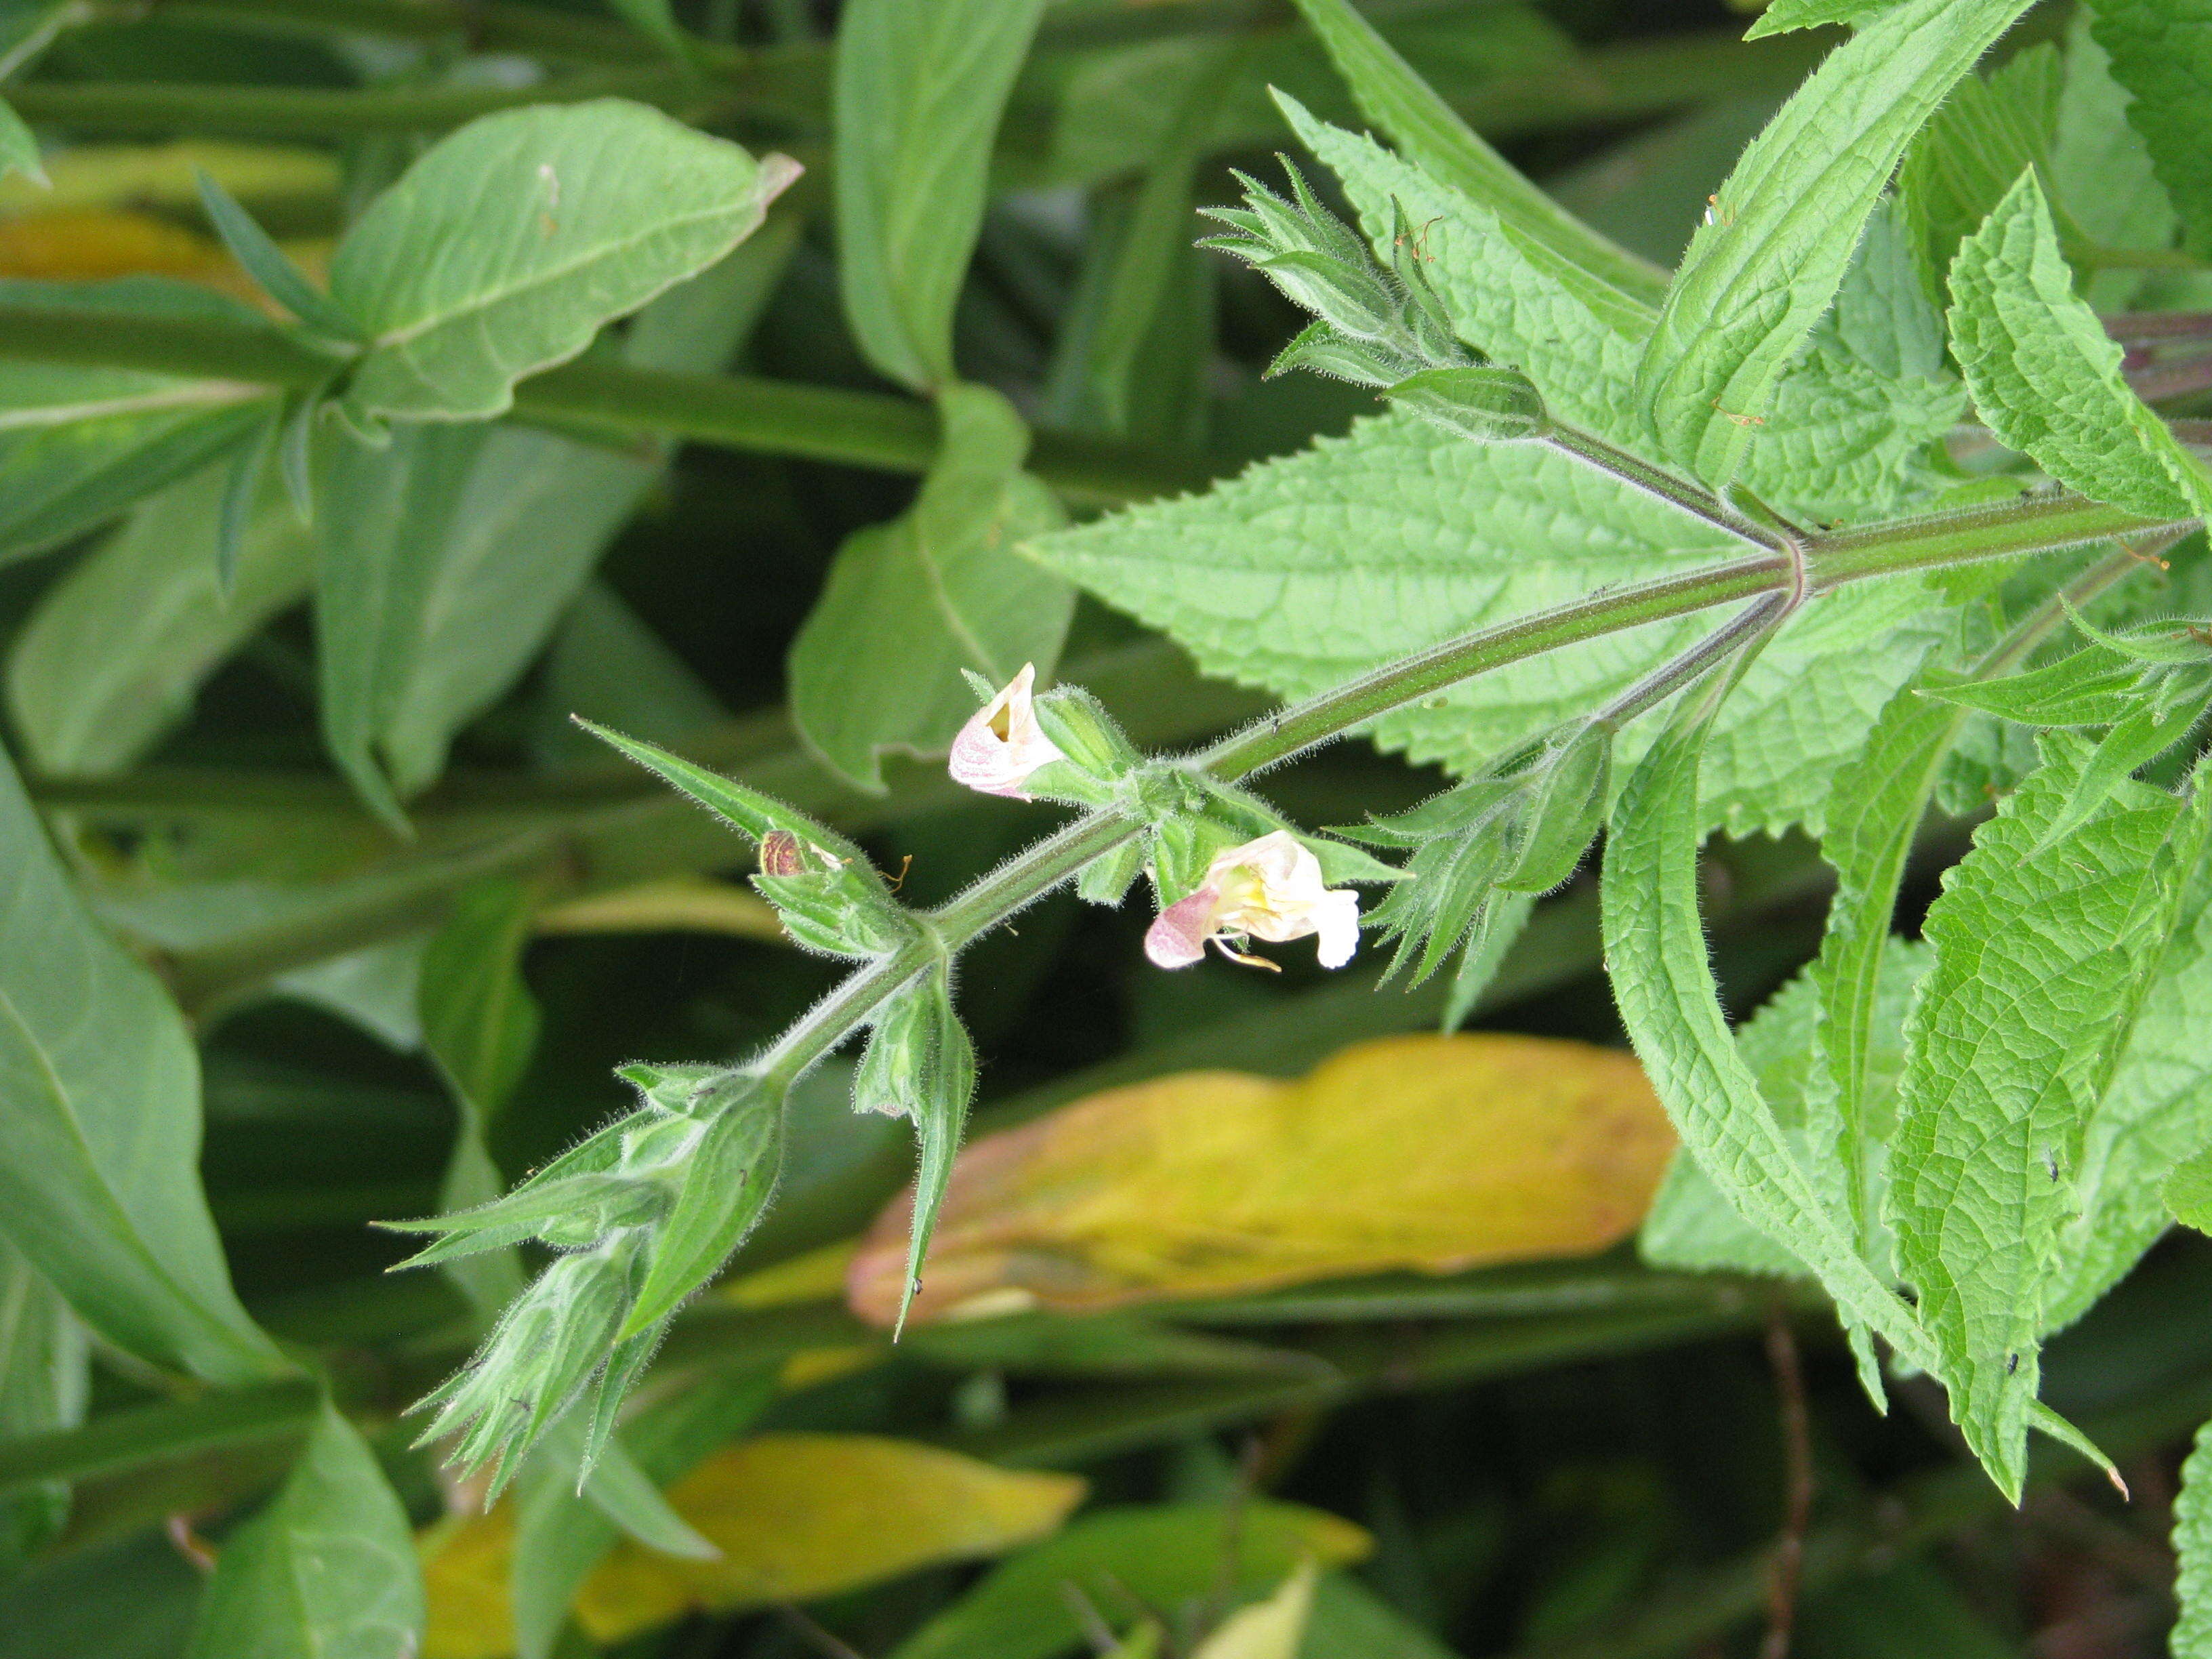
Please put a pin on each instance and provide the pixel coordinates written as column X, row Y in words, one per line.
column 997, row 750
column 1268, row 888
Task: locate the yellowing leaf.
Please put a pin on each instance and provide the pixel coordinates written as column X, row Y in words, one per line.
column 93, row 243
column 162, row 175
column 1272, row 1629
column 1430, row 1152
column 794, row 1515
column 88, row 244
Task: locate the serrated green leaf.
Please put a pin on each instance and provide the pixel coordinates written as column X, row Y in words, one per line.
column 1784, row 15
column 909, row 604
column 1758, row 278
column 554, row 219
column 2192, row 1546
column 2100, row 168
column 2159, row 53
column 326, row 1571
column 2040, row 964
column 1691, row 1226
column 43, row 1378
column 99, row 1128
column 1972, row 150
column 1853, row 419
column 916, row 105
column 727, row 1180
column 78, row 445
column 2188, row 1192
column 2047, row 379
column 1664, row 986
column 1432, row 135
column 2154, row 1112
column 111, row 657
column 1303, row 572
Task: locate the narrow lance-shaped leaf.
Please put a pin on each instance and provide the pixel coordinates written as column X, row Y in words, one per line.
column 269, row 265
column 326, row 1571
column 2046, row 377
column 1760, row 275
column 944, row 588
column 919, row 1064
column 19, row 146
column 727, row 1182
column 2040, row 965
column 550, row 221
column 99, row 1128
column 43, row 1377
column 77, row 446
column 1431, row 134
column 915, row 107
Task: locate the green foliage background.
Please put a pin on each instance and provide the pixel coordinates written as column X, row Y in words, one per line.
column 744, row 377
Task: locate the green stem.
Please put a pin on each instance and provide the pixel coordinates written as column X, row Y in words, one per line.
column 592, row 396
column 485, row 25
column 155, row 108
column 1826, row 563
column 1638, row 474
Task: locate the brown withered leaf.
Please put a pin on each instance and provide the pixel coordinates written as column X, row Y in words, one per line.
column 1430, row 1152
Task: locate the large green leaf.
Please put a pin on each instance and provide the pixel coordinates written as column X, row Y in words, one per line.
column 2161, row 52
column 1992, row 129
column 504, row 249
column 42, row 1388
column 1760, row 275
column 326, row 1571
column 942, row 588
column 1662, row 983
column 79, row 444
column 111, row 658
column 2045, row 376
column 384, row 517
column 918, row 97
column 1305, row 572
column 1432, row 135
column 1852, row 421
column 2155, row 1113
column 2100, row 168
column 99, row 1128
column 2042, row 957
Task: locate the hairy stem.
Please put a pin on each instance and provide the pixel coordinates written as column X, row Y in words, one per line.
column 1826, row 563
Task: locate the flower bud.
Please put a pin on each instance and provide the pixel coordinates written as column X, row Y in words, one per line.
column 1489, row 406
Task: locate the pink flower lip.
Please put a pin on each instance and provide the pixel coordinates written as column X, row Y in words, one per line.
column 1268, row 888
column 998, row 750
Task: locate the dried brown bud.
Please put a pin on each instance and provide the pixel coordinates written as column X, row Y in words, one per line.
column 779, row 854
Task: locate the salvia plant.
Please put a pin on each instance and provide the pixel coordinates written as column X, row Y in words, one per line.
column 1871, row 524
